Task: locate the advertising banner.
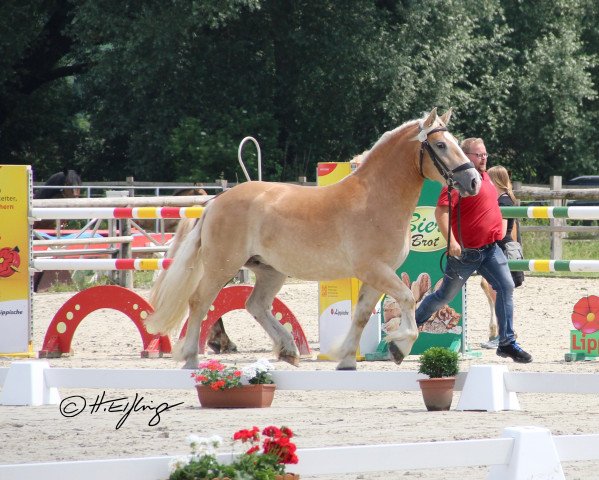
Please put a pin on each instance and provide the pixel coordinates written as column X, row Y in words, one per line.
column 422, row 270
column 15, row 283
column 337, row 298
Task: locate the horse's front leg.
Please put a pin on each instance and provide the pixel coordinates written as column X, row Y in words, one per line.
column 349, row 348
column 402, row 331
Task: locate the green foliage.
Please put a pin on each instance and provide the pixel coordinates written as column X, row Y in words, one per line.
column 247, row 467
column 437, row 362
column 166, row 90
column 264, row 460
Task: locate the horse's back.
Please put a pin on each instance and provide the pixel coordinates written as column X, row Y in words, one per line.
column 289, row 227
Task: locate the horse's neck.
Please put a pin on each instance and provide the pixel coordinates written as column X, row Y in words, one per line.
column 392, row 175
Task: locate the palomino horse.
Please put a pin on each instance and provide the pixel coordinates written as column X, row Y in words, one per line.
column 358, row 227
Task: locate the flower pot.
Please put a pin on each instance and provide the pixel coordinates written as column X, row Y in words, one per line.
column 437, row 393
column 247, row 396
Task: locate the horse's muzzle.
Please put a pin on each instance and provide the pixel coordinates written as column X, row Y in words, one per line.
column 468, row 182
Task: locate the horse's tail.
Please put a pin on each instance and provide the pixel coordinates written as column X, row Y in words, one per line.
column 170, row 294
column 184, row 226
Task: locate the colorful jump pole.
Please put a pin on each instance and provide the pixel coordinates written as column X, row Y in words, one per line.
column 43, row 213
column 104, row 264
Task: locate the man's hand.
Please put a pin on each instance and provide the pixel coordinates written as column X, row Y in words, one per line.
column 454, row 249
column 442, row 217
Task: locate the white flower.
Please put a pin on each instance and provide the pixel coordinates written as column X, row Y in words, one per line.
column 263, row 361
column 216, row 441
column 193, row 439
column 248, row 373
column 261, row 368
column 178, row 462
column 213, row 443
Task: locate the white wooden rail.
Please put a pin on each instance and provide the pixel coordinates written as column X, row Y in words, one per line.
column 484, row 387
column 521, row 453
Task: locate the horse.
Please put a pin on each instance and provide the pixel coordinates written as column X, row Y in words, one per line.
column 66, row 178
column 358, row 227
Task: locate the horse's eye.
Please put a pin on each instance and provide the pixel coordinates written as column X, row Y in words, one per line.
column 441, row 145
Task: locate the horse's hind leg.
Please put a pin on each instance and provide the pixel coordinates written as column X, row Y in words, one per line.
column 349, row 348
column 268, row 283
column 199, row 303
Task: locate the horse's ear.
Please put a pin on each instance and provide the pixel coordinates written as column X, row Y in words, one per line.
column 430, row 120
column 446, row 116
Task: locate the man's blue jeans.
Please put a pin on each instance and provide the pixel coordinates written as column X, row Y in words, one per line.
column 491, row 263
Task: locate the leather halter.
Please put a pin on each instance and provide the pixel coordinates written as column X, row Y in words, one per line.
column 448, row 176
column 445, row 171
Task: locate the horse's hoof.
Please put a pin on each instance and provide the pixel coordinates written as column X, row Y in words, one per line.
column 189, row 365
column 396, row 353
column 215, row 347
column 230, row 348
column 290, row 359
column 346, row 369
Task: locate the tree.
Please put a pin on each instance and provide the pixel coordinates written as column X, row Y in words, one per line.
column 37, row 101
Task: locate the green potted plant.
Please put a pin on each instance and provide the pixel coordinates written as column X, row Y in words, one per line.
column 219, row 386
column 441, row 365
column 264, row 459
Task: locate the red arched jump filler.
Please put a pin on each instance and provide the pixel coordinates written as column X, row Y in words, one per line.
column 62, row 328
column 234, row 298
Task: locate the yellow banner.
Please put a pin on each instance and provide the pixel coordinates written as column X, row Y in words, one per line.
column 15, row 305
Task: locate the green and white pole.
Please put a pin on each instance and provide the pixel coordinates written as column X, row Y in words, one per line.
column 536, row 265
column 574, row 213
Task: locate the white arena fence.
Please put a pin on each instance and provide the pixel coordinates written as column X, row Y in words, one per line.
column 483, row 387
column 522, row 453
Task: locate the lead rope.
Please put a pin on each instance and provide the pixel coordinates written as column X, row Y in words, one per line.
column 459, row 225
column 446, row 252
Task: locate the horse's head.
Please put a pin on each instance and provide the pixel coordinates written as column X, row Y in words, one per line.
column 71, row 179
column 189, row 192
column 446, row 160
column 68, row 178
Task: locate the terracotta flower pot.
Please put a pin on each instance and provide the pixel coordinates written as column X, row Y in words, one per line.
column 437, row 393
column 247, row 396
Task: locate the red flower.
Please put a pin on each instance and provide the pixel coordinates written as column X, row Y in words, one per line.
column 247, row 435
column 277, row 443
column 271, row 431
column 218, row 385
column 254, row 449
column 585, row 316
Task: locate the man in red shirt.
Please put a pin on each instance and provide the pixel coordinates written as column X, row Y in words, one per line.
column 472, row 247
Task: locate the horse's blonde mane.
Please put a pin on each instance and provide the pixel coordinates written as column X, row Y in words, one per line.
column 391, row 133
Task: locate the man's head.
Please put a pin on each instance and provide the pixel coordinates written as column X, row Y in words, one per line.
column 475, row 150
